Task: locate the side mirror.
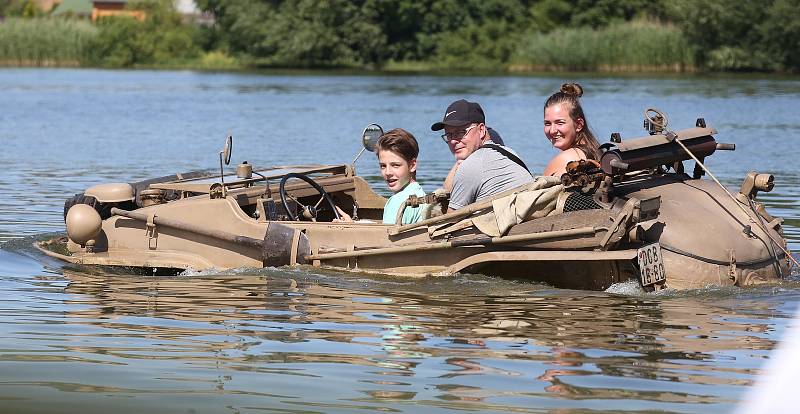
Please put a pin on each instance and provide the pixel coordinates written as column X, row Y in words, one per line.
column 225, row 157
column 225, row 154
column 369, row 138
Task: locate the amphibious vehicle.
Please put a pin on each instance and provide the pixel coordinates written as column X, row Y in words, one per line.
column 635, row 214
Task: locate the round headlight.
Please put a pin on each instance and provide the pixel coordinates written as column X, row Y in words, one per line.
column 83, row 223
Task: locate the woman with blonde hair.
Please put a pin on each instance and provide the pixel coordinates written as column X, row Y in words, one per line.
column 566, row 127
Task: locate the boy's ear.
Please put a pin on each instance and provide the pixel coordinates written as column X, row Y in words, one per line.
column 412, row 166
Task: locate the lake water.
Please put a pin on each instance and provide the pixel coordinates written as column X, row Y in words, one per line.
column 76, row 339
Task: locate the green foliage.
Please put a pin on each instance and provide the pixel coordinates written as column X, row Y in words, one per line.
column 44, row 41
column 547, row 15
column 160, row 38
column 736, row 35
column 780, row 33
column 116, row 43
column 356, row 33
column 411, row 26
column 303, row 33
column 601, row 13
column 723, row 33
column 218, row 60
column 482, row 34
column 638, row 45
column 732, row 58
column 448, row 34
column 20, row 8
column 31, row 10
column 484, row 48
column 713, row 23
column 6, row 6
column 310, row 33
column 469, row 35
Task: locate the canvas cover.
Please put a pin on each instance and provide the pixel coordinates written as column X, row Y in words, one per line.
column 537, row 199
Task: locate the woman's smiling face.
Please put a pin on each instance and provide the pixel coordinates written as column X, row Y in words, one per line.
column 395, row 170
column 559, row 127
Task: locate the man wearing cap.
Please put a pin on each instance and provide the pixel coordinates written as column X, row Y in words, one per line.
column 482, row 168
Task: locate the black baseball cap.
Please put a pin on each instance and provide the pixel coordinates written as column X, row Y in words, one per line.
column 461, row 112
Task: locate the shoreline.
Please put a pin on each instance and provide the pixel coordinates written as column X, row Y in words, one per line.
column 512, row 71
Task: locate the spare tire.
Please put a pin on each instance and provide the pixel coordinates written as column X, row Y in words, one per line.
column 103, row 209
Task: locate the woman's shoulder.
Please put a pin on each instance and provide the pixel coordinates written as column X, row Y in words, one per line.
column 558, row 164
column 577, row 152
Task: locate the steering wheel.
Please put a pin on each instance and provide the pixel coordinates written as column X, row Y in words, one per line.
column 309, row 212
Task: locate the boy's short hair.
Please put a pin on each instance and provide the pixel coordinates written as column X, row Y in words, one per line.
column 400, row 142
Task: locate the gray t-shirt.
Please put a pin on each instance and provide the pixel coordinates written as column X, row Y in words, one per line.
column 484, row 173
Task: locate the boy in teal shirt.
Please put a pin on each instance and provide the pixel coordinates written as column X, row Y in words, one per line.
column 397, row 156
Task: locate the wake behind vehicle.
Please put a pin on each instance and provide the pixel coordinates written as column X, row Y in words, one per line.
column 636, row 214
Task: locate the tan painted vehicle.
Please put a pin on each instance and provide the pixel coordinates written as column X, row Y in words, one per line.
column 634, row 215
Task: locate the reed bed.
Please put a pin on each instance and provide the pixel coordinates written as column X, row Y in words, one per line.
column 637, row 46
column 44, row 41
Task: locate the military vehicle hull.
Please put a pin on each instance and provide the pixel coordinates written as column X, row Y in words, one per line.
column 594, row 227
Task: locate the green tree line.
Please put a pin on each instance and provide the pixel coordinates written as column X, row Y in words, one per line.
column 451, row 35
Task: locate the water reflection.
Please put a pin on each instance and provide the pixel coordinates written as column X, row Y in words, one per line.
column 279, row 338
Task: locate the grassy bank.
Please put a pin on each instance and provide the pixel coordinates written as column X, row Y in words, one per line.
column 44, row 42
column 638, row 46
column 477, row 37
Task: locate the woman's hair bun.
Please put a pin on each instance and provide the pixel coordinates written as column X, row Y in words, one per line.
column 572, row 89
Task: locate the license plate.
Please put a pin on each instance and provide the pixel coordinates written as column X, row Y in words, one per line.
column 651, row 265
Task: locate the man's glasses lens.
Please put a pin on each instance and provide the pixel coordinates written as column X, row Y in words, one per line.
column 458, row 135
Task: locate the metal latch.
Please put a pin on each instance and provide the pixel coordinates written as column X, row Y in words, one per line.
column 150, row 230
